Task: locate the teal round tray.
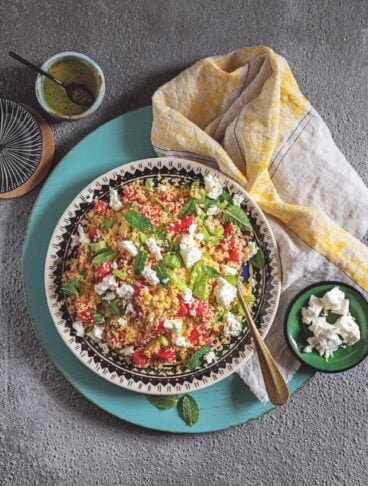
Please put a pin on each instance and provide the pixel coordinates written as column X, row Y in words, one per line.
column 119, row 141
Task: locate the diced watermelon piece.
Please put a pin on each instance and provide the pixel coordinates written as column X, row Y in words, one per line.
column 100, row 270
column 85, row 312
column 93, row 233
column 182, row 225
column 139, row 358
column 183, row 309
column 130, row 194
column 166, row 354
column 100, row 207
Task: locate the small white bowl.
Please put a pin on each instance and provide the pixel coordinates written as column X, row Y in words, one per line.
column 94, row 68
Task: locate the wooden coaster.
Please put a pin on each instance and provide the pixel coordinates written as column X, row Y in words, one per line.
column 26, row 149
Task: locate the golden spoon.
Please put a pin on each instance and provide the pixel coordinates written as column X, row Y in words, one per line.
column 275, row 384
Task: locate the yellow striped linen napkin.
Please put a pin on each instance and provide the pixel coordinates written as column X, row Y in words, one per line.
column 244, row 113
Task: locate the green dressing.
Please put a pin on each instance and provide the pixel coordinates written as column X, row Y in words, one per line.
column 69, row 71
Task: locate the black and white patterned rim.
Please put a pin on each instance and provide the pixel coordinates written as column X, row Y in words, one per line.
column 111, row 365
column 21, row 145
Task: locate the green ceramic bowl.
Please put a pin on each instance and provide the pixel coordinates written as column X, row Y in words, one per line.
column 295, row 330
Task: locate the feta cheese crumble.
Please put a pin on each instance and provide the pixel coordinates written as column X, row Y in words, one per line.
column 98, row 331
column 128, row 351
column 187, row 295
column 237, row 199
column 107, row 283
column 348, row 329
column 253, row 248
column 229, row 270
column 209, row 357
column 78, row 328
column 122, row 322
column 109, row 296
column 130, row 247
column 213, row 187
column 150, row 275
column 233, row 326
column 115, row 202
column 212, row 211
column 153, row 247
column 335, row 301
column 83, row 238
column 224, row 292
column 180, row 341
column 129, row 309
column 125, row 292
column 327, row 338
column 188, row 251
column 175, row 324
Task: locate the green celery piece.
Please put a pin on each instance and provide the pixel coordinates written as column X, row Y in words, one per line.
column 142, row 237
column 108, row 223
column 176, row 281
column 119, row 274
column 172, row 260
column 95, row 247
column 231, row 279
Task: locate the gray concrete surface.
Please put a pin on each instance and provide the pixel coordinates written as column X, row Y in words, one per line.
column 50, row 435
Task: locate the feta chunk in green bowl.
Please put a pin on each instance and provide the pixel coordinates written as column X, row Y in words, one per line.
column 326, row 326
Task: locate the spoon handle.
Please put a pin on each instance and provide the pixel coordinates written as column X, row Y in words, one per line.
column 275, row 384
column 35, row 68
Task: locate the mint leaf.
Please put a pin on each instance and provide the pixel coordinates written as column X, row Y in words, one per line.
column 71, row 287
column 163, row 275
column 98, row 318
column 137, row 220
column 258, row 260
column 162, row 401
column 211, row 272
column 108, row 223
column 225, row 196
column 114, row 309
column 189, row 208
column 139, row 262
column 58, row 261
column 104, row 255
column 235, row 215
column 196, row 359
column 189, row 410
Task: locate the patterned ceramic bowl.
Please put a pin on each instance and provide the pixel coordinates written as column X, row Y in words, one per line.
column 112, row 366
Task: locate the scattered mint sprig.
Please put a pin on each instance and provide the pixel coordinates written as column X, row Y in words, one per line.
column 189, row 410
column 137, row 220
column 196, row 359
column 235, row 215
column 162, row 401
column 139, row 262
